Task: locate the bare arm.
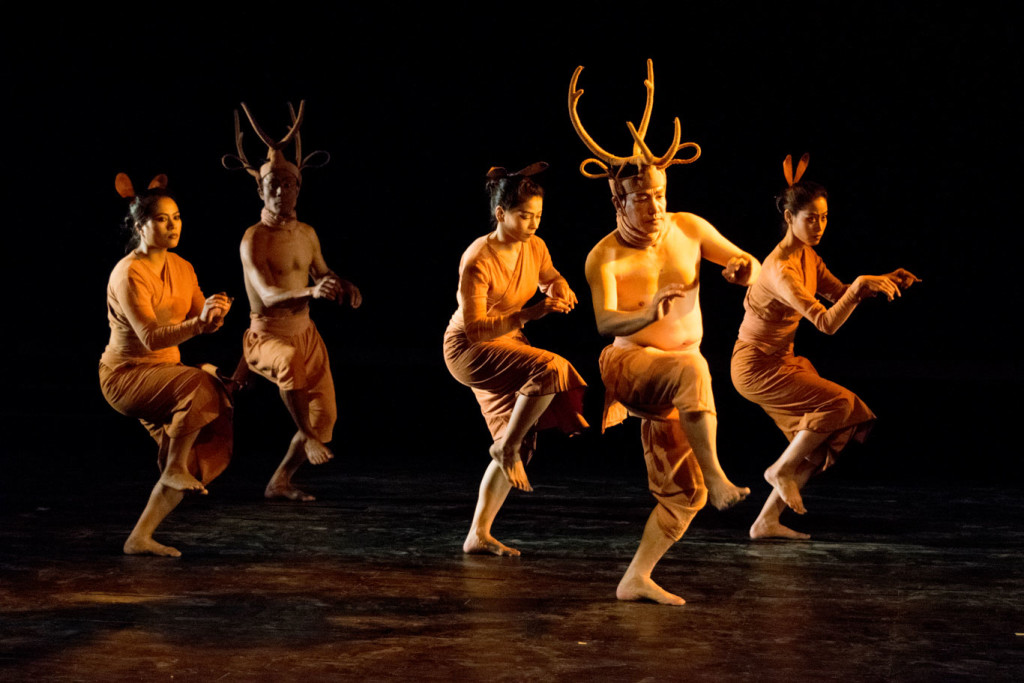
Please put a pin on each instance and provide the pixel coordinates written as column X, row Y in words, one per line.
column 258, row 273
column 740, row 267
column 332, row 286
column 604, row 292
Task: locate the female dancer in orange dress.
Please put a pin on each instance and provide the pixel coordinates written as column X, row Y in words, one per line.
column 520, row 388
column 153, row 304
column 817, row 416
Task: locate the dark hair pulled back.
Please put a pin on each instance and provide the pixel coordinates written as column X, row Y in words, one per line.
column 798, row 196
column 511, row 191
column 140, row 209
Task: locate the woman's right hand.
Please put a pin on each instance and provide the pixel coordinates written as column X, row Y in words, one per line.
column 214, row 309
column 874, row 285
column 542, row 308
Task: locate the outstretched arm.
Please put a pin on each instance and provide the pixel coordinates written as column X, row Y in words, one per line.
column 829, row 320
column 740, row 267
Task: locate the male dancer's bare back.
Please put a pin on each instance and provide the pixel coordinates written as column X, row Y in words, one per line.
column 279, row 256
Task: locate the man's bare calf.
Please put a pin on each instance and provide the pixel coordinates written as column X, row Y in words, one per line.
column 280, row 485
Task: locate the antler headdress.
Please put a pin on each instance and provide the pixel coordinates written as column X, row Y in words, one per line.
column 787, row 168
column 275, row 155
column 612, row 165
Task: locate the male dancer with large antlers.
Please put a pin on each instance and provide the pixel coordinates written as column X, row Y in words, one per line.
column 644, row 278
column 280, row 256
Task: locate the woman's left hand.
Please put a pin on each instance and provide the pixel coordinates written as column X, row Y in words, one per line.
column 214, row 309
column 903, row 278
column 560, row 290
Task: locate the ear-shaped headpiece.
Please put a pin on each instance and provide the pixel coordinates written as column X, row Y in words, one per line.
column 275, row 155
column 125, row 188
column 498, row 172
column 611, row 165
column 787, row 168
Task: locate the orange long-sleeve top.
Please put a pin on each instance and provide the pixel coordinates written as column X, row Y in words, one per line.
column 151, row 313
column 491, row 294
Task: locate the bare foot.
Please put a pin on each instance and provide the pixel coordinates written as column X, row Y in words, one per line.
column 287, row 491
column 481, row 544
column 788, row 490
column 723, row 494
column 180, row 480
column 511, row 465
column 147, row 546
column 764, row 529
column 643, row 588
column 316, row 452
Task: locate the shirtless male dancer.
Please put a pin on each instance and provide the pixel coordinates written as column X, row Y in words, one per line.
column 280, row 255
column 644, row 277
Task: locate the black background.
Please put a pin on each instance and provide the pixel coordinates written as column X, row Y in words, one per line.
column 910, row 115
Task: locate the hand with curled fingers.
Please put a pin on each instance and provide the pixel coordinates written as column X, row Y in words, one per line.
column 738, row 270
column 560, row 290
column 903, row 278
column 543, row 307
column 215, row 308
column 355, row 297
column 327, row 287
column 875, row 285
column 661, row 304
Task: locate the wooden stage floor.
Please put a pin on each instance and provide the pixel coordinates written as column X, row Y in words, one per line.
column 369, row 583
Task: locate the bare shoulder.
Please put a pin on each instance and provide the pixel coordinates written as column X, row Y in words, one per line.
column 690, row 224
column 604, row 252
column 605, row 249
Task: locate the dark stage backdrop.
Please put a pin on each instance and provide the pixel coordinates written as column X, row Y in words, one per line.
column 909, row 114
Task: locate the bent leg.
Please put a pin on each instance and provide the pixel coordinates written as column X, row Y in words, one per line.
column 767, row 524
column 675, row 480
column 636, row 583
column 506, row 451
column 494, row 488
column 701, row 428
column 162, row 500
column 782, row 475
column 176, row 473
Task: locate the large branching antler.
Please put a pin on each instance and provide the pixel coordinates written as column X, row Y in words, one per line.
column 269, row 141
column 642, row 155
column 240, row 158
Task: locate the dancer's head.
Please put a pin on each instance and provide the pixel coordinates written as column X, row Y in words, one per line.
column 516, row 200
column 153, row 217
column 803, row 203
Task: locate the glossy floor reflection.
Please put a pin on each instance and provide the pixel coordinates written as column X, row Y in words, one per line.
column 369, row 583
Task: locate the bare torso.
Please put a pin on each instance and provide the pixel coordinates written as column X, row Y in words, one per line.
column 282, row 259
column 631, row 277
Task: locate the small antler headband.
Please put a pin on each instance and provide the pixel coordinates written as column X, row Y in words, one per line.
column 125, row 188
column 275, row 158
column 642, row 155
column 499, row 172
column 787, row 168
